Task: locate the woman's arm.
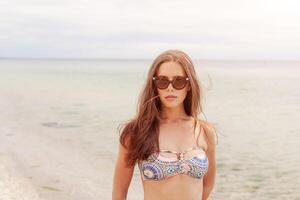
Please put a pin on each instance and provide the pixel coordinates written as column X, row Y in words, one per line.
column 122, row 176
column 209, row 177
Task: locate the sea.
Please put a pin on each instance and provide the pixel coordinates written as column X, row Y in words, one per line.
column 59, row 122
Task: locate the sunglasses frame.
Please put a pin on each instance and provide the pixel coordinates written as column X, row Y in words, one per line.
column 155, row 78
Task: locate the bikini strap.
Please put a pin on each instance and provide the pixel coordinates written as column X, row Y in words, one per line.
column 197, row 132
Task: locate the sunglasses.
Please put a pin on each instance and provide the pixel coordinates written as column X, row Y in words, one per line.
column 178, row 82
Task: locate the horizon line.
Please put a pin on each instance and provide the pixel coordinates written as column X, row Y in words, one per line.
column 141, row 59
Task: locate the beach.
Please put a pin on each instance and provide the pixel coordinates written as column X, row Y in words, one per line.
column 59, row 127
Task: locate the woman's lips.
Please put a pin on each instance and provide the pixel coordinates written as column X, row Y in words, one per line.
column 170, row 97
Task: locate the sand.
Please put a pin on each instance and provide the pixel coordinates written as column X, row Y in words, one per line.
column 14, row 185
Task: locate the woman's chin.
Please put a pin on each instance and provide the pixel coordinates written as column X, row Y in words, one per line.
column 171, row 104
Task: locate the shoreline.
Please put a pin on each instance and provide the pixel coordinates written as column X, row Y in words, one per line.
column 13, row 185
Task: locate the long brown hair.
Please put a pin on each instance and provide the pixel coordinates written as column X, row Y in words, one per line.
column 140, row 134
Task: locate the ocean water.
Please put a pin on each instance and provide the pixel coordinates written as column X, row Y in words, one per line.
column 59, row 122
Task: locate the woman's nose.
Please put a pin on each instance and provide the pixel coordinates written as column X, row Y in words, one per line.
column 170, row 86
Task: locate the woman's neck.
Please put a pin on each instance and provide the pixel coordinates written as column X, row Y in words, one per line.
column 174, row 114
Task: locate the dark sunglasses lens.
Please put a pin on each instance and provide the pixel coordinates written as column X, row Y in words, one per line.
column 162, row 83
column 179, row 83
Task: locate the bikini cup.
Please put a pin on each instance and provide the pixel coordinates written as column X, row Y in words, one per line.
column 159, row 166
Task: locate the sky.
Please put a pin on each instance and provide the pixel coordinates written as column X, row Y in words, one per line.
column 141, row 29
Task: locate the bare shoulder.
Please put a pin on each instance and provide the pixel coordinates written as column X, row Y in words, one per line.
column 209, row 132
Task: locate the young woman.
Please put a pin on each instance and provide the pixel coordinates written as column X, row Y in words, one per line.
column 174, row 150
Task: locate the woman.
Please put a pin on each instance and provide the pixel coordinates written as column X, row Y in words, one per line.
column 174, row 150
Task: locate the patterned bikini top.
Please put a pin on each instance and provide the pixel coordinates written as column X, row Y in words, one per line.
column 166, row 163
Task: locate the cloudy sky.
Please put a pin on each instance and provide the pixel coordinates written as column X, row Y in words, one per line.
column 231, row 29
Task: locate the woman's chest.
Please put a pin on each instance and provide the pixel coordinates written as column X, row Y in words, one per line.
column 181, row 139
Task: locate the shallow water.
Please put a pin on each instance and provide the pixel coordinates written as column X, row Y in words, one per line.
column 59, row 123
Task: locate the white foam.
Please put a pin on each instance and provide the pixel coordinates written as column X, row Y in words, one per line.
column 12, row 184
